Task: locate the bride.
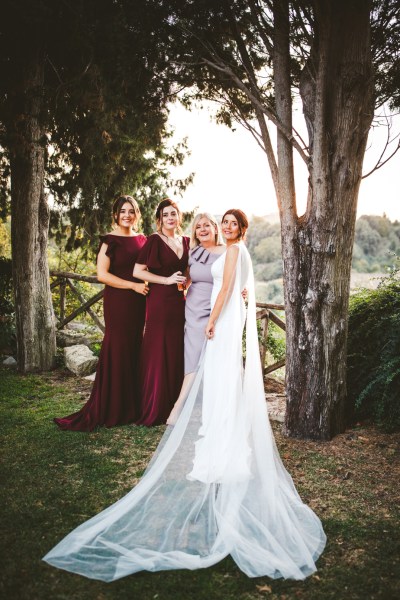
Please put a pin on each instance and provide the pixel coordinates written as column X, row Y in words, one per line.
column 216, row 485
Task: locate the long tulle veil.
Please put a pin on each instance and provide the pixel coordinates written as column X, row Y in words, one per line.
column 245, row 504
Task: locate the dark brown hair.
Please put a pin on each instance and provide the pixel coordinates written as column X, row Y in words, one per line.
column 240, row 218
column 117, row 207
column 163, row 204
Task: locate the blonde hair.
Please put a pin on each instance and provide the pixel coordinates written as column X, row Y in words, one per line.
column 194, row 242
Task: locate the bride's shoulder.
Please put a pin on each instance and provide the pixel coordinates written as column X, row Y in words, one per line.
column 233, row 250
column 231, row 256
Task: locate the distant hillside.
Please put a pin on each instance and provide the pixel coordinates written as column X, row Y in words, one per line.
column 377, row 240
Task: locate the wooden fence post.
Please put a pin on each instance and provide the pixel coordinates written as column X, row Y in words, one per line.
column 63, row 286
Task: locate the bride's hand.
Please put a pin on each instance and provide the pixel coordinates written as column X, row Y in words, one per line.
column 210, row 330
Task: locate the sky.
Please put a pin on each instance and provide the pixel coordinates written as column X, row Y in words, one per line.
column 231, row 170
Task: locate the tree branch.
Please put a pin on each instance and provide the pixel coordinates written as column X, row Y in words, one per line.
column 223, row 68
column 380, row 163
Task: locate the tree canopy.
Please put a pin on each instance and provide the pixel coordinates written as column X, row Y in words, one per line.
column 83, row 99
column 107, row 83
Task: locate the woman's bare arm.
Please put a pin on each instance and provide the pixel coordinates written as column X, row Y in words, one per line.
column 229, row 270
column 104, row 275
column 141, row 272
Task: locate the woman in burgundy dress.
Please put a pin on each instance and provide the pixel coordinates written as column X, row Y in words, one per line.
column 115, row 394
column 163, row 262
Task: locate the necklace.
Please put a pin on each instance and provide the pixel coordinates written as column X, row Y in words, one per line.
column 172, row 242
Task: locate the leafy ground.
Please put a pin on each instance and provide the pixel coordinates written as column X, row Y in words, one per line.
column 53, row 480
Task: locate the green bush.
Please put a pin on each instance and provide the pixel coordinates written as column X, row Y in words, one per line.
column 276, row 340
column 7, row 317
column 96, row 348
column 373, row 362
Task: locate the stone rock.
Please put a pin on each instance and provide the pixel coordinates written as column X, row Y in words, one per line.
column 10, row 362
column 276, row 407
column 91, row 377
column 70, row 338
column 76, row 326
column 80, row 360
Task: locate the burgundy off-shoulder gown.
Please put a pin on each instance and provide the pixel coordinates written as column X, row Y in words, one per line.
column 162, row 357
column 115, row 394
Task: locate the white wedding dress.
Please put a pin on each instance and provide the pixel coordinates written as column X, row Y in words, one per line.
column 216, row 485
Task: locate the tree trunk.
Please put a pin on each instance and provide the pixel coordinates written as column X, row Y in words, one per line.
column 337, row 94
column 29, row 222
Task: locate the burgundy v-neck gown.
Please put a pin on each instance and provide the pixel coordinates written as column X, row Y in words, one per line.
column 161, row 360
column 115, row 394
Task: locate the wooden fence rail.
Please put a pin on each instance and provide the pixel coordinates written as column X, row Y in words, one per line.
column 63, row 280
column 265, row 314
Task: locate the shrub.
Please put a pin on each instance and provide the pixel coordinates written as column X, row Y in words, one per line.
column 7, row 317
column 276, row 340
column 95, row 348
column 373, row 362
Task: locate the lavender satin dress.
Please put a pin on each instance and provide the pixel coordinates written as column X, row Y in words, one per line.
column 198, row 304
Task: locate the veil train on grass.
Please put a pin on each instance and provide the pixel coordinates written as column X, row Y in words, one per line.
column 216, row 484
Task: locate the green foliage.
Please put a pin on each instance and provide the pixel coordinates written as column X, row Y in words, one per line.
column 5, row 238
column 270, row 291
column 276, row 341
column 376, row 238
column 385, row 30
column 269, row 271
column 374, row 352
column 95, row 348
column 107, row 83
column 7, row 322
column 264, row 243
column 269, row 250
column 6, row 294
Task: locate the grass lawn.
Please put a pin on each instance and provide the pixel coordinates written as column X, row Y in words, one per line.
column 53, row 480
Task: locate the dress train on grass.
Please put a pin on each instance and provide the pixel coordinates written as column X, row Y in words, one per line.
column 216, row 485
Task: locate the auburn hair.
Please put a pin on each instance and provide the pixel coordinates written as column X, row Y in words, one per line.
column 241, row 218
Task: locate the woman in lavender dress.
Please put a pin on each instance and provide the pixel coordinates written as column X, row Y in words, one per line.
column 206, row 246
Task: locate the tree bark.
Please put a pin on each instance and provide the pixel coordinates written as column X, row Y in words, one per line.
column 337, row 94
column 35, row 324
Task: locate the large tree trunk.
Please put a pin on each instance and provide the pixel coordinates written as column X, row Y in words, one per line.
column 337, row 94
column 29, row 223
